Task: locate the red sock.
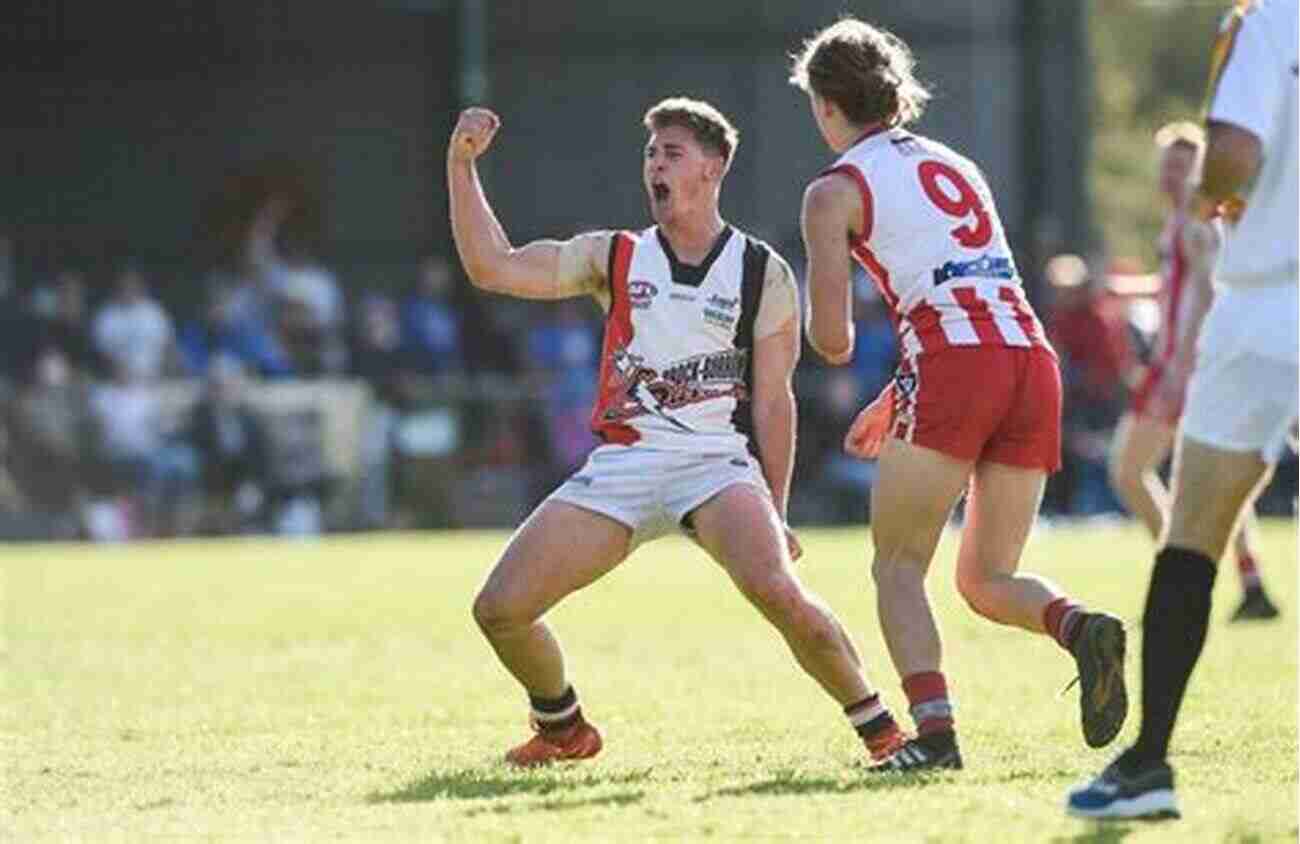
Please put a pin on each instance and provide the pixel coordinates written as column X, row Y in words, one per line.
column 927, row 696
column 1246, row 568
column 1061, row 620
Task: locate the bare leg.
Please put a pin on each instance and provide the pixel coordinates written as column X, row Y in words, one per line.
column 1141, row 444
column 758, row 562
column 1000, row 512
column 1247, row 540
column 558, row 550
column 910, row 505
column 1213, row 489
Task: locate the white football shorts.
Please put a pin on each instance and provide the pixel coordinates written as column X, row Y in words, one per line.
column 1244, row 394
column 651, row 491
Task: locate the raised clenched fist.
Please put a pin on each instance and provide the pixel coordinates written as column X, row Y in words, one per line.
column 473, row 133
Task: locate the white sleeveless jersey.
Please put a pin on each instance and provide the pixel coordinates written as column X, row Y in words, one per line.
column 676, row 364
column 934, row 245
column 1254, row 86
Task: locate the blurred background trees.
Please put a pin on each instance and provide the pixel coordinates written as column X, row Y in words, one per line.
column 1150, row 60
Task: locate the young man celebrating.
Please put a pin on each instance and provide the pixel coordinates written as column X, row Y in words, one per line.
column 694, row 407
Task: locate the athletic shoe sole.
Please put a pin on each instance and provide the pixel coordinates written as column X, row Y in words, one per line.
column 1153, row 805
column 1103, row 697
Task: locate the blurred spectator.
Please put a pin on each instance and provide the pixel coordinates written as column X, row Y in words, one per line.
column 232, row 447
column 843, row 393
column 378, row 356
column 875, row 350
column 132, row 332
column 312, row 349
column 1088, row 327
column 63, row 321
column 305, row 296
column 842, row 482
column 430, row 322
column 222, row 332
column 155, row 475
column 298, row 480
column 49, row 433
column 562, row 353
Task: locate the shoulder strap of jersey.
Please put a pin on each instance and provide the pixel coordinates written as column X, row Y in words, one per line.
column 864, row 190
column 753, row 275
column 620, row 261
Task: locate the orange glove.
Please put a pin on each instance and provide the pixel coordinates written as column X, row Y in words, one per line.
column 872, row 426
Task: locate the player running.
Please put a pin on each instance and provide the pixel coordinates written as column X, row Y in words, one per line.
column 1242, row 398
column 695, row 409
column 976, row 401
column 1189, row 249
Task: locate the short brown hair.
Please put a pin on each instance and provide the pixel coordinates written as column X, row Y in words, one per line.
column 863, row 69
column 711, row 129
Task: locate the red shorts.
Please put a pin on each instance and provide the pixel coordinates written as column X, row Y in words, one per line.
column 1158, row 397
column 983, row 403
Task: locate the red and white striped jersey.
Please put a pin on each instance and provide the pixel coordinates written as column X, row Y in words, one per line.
column 676, row 370
column 1172, row 297
column 933, row 243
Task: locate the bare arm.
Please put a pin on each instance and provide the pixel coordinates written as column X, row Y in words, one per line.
column 831, row 205
column 1232, row 158
column 543, row 269
column 1201, row 246
column 775, row 355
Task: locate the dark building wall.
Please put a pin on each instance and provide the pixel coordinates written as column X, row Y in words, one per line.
column 572, row 79
column 121, row 119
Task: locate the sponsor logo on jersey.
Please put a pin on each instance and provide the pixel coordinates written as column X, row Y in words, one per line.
column 720, row 311
column 647, row 391
column 641, row 293
column 906, row 383
column 985, row 266
column 679, row 296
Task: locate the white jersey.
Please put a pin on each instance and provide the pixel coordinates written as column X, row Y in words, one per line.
column 1254, row 87
column 934, row 245
column 676, row 365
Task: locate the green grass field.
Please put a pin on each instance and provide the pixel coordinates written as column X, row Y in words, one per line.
column 338, row 690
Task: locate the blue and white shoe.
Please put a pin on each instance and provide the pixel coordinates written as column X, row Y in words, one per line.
column 1145, row 793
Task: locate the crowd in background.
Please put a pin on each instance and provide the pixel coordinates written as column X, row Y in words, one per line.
column 478, row 405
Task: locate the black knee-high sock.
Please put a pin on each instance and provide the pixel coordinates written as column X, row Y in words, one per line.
column 1173, row 633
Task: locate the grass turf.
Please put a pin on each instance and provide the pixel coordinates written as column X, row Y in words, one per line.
column 254, row 690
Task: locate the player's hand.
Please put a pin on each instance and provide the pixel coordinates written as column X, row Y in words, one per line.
column 792, row 542
column 473, row 134
column 867, row 434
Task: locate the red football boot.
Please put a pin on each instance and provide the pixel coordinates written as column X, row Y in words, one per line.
column 579, row 741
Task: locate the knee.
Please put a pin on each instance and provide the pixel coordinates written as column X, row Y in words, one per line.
column 890, row 572
column 788, row 607
column 975, row 590
column 495, row 613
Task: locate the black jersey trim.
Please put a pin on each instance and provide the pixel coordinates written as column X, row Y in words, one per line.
column 609, row 271
column 690, row 275
column 752, row 282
